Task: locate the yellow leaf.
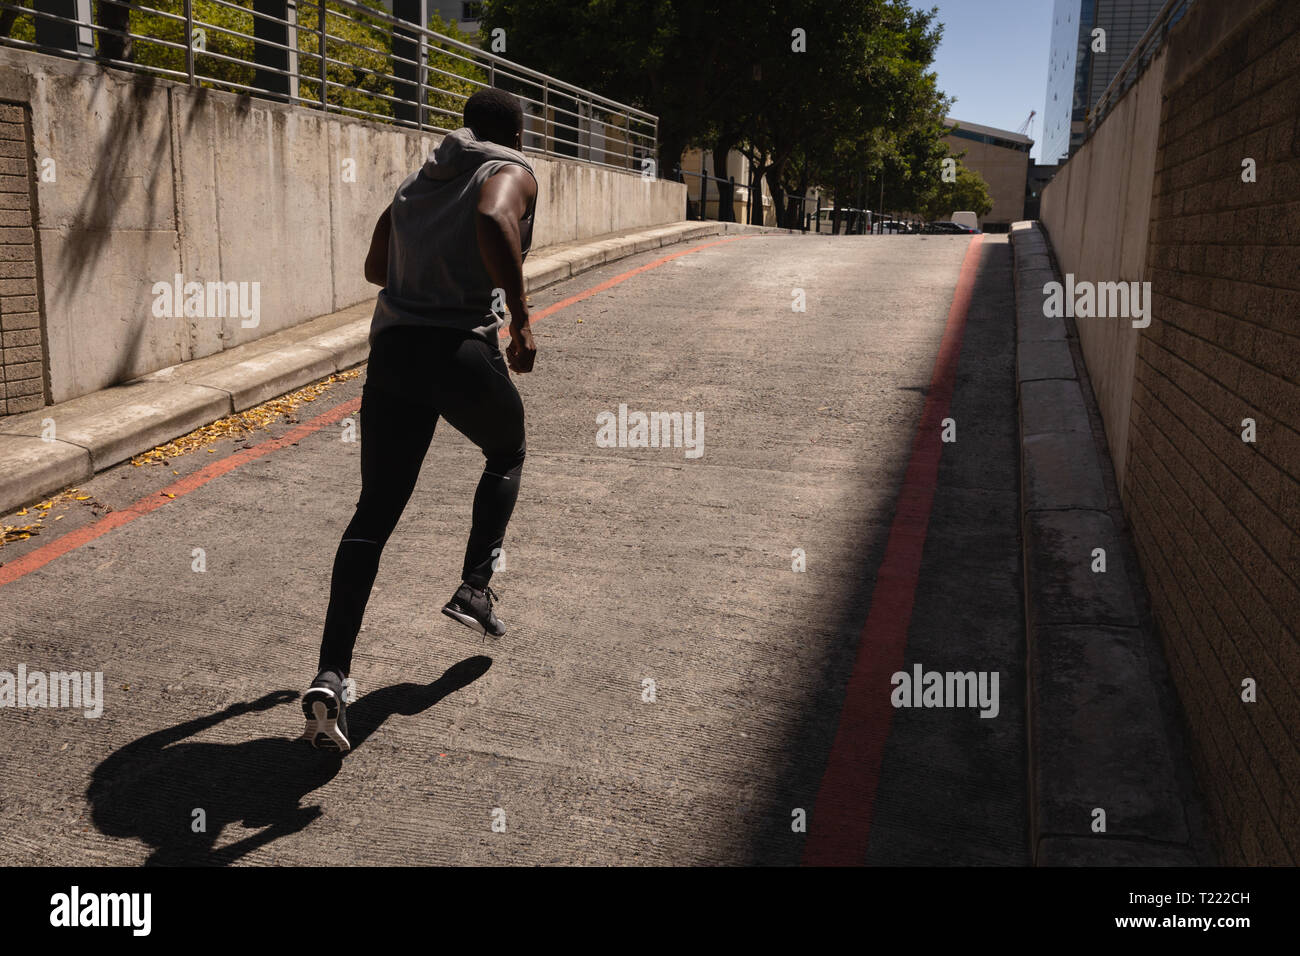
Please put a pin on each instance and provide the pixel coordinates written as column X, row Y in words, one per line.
column 169, row 494
column 59, row 518
column 23, row 512
column 83, row 497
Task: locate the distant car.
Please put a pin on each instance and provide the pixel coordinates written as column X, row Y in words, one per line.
column 945, row 227
column 891, row 227
column 967, row 219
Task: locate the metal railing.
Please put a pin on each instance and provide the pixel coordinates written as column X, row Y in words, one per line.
column 1136, row 62
column 340, row 56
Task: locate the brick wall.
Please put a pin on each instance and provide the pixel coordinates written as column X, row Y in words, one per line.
column 1216, row 520
column 22, row 354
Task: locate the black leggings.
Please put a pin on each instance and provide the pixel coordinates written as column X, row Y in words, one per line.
column 415, row 375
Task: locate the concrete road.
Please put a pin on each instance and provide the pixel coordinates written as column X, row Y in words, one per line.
column 671, row 689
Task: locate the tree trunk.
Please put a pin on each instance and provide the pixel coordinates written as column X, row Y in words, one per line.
column 801, row 192
column 670, row 156
column 774, row 174
column 722, row 147
column 757, row 171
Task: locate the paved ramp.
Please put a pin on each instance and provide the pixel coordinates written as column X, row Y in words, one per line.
column 624, row 566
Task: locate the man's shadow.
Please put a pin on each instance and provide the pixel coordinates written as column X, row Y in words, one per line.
column 151, row 788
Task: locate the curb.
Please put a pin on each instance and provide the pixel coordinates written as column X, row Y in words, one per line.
column 1097, row 736
column 105, row 428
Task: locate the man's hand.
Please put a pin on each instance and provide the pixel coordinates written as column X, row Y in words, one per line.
column 521, row 352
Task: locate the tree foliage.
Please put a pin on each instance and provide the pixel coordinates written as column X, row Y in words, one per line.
column 969, row 192
column 856, row 100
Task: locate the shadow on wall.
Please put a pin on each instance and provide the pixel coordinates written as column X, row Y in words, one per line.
column 114, row 172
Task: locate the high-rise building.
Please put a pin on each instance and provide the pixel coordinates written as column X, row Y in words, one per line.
column 1078, row 74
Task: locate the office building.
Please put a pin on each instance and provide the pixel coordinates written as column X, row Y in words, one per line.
column 1001, row 157
column 1077, row 75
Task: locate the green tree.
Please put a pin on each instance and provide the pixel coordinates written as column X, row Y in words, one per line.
column 969, row 192
column 676, row 58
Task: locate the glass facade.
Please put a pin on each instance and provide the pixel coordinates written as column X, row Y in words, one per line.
column 1062, row 73
column 1076, row 76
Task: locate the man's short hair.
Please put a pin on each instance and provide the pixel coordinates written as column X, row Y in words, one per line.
column 494, row 115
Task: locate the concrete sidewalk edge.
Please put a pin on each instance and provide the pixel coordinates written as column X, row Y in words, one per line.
column 57, row 446
column 1098, row 740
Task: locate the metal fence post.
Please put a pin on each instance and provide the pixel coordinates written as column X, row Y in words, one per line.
column 421, row 79
column 324, row 53
column 271, row 63
column 407, row 44
column 546, row 115
column 704, row 187
column 293, row 51
column 189, row 41
column 654, row 132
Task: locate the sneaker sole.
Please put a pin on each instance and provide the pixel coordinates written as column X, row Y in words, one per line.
column 321, row 708
column 473, row 623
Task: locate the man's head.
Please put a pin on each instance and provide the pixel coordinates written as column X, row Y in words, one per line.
column 495, row 115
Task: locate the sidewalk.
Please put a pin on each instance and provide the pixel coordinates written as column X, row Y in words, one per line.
column 99, row 430
column 1103, row 735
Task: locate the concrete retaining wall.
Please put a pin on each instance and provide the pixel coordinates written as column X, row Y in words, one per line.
column 152, row 178
column 1096, row 211
column 1214, row 507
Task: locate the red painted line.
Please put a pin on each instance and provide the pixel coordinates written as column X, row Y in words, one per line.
column 840, row 826
column 13, row 570
column 115, row 519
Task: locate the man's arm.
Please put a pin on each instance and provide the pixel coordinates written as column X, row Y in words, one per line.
column 502, row 202
column 377, row 257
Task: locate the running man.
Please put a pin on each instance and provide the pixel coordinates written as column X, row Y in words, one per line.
column 455, row 233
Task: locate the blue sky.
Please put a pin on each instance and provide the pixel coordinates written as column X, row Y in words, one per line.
column 993, row 60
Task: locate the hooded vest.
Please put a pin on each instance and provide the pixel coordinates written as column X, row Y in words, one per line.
column 436, row 277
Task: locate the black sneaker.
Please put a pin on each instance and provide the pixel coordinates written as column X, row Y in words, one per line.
column 473, row 608
column 325, row 707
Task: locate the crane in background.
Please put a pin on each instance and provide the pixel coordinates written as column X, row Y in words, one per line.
column 1024, row 127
